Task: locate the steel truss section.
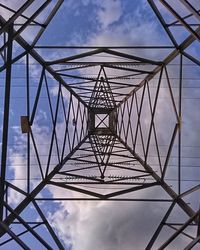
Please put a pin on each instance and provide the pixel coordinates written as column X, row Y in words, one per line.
column 101, row 127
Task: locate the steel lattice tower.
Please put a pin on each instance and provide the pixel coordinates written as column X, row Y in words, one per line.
column 110, row 126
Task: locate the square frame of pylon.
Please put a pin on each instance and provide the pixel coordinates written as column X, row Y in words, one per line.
column 112, row 121
column 103, row 119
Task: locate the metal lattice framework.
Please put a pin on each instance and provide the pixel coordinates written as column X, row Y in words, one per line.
column 105, row 122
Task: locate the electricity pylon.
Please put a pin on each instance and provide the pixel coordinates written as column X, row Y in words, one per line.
column 102, row 125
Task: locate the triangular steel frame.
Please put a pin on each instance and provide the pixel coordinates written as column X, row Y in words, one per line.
column 94, row 152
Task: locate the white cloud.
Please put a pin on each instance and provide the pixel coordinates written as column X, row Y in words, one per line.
column 30, row 32
column 101, row 225
column 109, row 12
column 18, row 158
column 108, row 225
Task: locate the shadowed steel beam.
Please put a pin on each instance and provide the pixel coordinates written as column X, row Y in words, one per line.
column 126, row 69
column 29, row 49
column 15, row 16
column 78, row 56
column 190, row 8
column 104, row 50
column 180, row 121
column 132, row 189
column 185, row 207
column 154, row 129
column 79, row 190
column 187, row 42
column 6, row 118
column 39, row 188
column 29, row 228
column 22, row 15
column 170, row 150
column 181, row 20
column 18, row 235
column 193, row 243
column 54, row 236
column 48, row 20
column 96, row 199
column 13, row 236
column 191, row 190
column 96, row 63
column 37, row 97
column 132, row 57
column 191, row 58
column 153, row 111
column 162, row 21
column 103, row 47
column 191, row 219
column 30, row 19
column 157, row 232
column 183, row 233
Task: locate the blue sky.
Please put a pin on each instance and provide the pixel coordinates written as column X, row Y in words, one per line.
column 102, row 23
column 81, row 22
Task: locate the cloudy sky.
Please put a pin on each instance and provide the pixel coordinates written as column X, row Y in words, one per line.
column 104, row 225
